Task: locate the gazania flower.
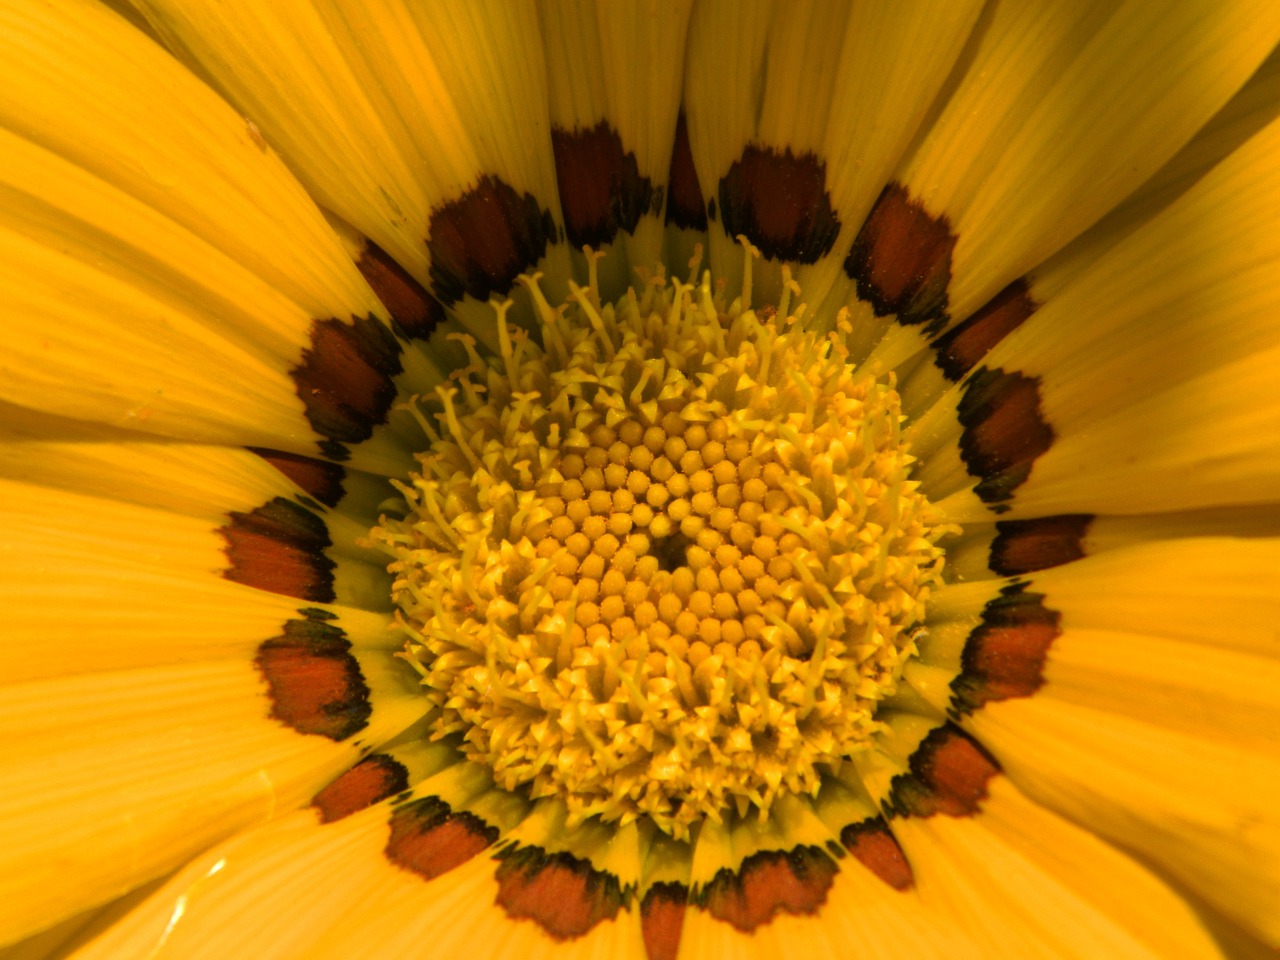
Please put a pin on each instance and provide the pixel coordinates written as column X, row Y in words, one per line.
column 641, row 480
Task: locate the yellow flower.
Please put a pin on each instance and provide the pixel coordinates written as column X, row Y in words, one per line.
column 656, row 479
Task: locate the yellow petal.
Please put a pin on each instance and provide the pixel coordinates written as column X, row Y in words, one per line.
column 1024, row 882
column 1018, row 165
column 1195, row 806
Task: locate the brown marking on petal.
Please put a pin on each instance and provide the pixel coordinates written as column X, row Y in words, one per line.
column 564, row 895
column 685, row 206
column 958, row 350
column 949, row 776
column 414, row 310
column 1023, row 546
column 486, row 238
column 374, row 778
column 662, row 919
column 601, row 190
column 901, row 260
column 792, row 881
column 430, row 839
column 321, row 479
column 279, row 547
column 1005, row 654
column 345, row 377
column 875, row 847
column 780, row 202
column 314, row 682
column 1004, row 431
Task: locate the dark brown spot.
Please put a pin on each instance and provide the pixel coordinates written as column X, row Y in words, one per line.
column 279, row 547
column 685, row 206
column 949, row 776
column 780, row 202
column 415, row 312
column 792, row 881
column 1004, row 431
column 901, row 260
column 1004, row 655
column 1023, row 546
column 315, row 683
column 321, row 479
column 958, row 350
column 662, row 919
column 482, row 241
column 430, row 839
column 344, row 379
column 562, row 894
column 601, row 190
column 875, row 847
column 374, row 778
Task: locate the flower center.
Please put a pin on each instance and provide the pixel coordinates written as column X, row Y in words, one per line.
column 667, row 561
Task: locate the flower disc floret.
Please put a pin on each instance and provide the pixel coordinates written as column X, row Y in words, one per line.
column 665, row 562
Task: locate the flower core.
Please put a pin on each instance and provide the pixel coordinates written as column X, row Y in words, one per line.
column 665, row 562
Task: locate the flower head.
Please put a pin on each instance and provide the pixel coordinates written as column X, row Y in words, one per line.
column 656, row 480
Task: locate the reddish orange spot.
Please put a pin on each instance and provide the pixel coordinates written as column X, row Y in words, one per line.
column 374, row 778
column 1004, row 431
column 685, row 207
column 901, row 259
column 321, row 479
column 875, row 847
column 662, row 919
column 315, row 684
column 345, row 378
column 1023, row 546
column 949, row 776
column 486, row 238
column 780, row 202
column 601, row 190
column 562, row 894
column 1005, row 654
column 772, row 881
column 430, row 839
column 959, row 350
column 412, row 307
column 280, row 547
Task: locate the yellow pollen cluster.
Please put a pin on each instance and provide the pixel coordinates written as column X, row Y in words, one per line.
column 666, row 562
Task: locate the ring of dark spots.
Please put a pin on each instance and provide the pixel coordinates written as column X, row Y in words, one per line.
column 429, row 838
column 1004, row 431
column 566, row 896
column 1024, row 546
column 1005, row 654
column 480, row 243
column 901, row 260
column 685, row 206
column 958, row 350
column 280, row 547
column 374, row 778
column 873, row 844
column 415, row 313
column 949, row 773
column 780, row 202
column 769, row 882
column 662, row 919
column 314, row 682
column 345, row 377
column 320, row 478
column 601, row 190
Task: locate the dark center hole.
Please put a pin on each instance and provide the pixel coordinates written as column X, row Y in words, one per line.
column 671, row 550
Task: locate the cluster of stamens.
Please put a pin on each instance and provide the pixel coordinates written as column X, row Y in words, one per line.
column 665, row 563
